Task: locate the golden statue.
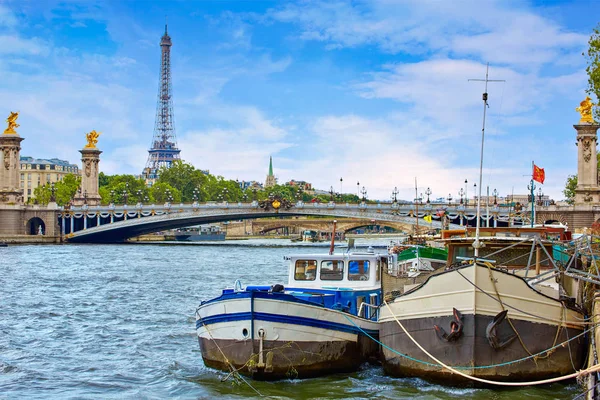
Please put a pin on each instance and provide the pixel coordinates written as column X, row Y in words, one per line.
column 585, row 110
column 12, row 123
column 92, row 139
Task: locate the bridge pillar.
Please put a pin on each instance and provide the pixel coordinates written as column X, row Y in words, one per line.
column 10, row 147
column 587, row 190
column 90, row 157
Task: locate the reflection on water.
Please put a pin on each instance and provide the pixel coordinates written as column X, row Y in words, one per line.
column 104, row 321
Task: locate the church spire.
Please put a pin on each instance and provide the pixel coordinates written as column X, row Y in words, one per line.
column 270, row 181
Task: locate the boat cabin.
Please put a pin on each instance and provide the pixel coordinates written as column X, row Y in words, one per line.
column 353, row 270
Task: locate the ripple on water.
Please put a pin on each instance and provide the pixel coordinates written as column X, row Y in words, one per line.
column 117, row 321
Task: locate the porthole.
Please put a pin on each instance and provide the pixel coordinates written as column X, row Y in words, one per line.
column 245, row 332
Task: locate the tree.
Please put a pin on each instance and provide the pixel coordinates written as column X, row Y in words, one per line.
column 593, row 68
column 65, row 190
column 570, row 187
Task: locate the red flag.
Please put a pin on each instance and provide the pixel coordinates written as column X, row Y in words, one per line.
column 538, row 174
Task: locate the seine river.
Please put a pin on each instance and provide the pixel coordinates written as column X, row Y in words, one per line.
column 117, row 321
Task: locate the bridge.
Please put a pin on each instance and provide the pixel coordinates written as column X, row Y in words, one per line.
column 114, row 223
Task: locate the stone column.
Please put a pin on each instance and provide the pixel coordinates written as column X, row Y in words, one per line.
column 90, row 157
column 587, row 190
column 10, row 161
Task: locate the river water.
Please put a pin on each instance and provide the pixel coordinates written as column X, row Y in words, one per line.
column 117, row 321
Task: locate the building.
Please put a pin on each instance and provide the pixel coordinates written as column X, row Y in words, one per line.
column 305, row 186
column 39, row 172
column 271, row 180
column 244, row 185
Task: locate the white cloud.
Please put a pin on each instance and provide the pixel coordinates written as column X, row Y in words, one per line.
column 12, row 44
column 494, row 31
column 7, row 18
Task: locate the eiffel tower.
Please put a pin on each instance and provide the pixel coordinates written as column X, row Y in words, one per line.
column 164, row 149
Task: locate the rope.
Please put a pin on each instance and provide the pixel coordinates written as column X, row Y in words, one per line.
column 234, row 371
column 559, row 321
column 470, row 367
column 577, row 374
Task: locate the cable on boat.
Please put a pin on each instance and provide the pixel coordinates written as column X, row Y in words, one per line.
column 551, row 349
column 593, row 368
column 515, row 308
column 234, row 371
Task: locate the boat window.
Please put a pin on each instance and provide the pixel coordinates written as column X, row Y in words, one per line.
column 332, row 270
column 306, row 270
column 358, row 270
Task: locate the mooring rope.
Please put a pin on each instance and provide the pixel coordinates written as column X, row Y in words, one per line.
column 469, row 367
column 234, row 371
column 577, row 374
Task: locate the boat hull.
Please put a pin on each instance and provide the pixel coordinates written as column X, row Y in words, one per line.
column 270, row 337
column 540, row 321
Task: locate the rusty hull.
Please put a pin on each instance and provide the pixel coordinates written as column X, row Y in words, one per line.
column 473, row 349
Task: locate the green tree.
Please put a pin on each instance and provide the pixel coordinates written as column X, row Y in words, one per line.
column 65, row 190
column 593, row 67
column 570, row 187
column 160, row 193
column 185, row 178
column 117, row 188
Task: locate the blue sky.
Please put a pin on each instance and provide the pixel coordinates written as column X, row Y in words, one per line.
column 374, row 92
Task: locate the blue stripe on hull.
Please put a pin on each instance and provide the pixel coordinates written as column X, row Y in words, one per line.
column 286, row 319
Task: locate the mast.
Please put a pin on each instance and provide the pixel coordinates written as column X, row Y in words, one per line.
column 476, row 243
column 417, row 208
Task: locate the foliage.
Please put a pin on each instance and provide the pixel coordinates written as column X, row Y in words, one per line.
column 65, row 190
column 117, row 188
column 593, row 68
column 570, row 187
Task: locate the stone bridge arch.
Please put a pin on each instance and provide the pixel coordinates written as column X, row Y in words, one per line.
column 549, row 217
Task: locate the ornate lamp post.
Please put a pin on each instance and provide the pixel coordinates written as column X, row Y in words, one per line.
column 168, row 196
column 364, row 193
column 331, row 194
column 428, row 192
column 52, row 193
column 466, row 193
column 461, row 193
column 341, row 181
column 195, row 194
column 531, row 187
column 140, row 196
column 395, row 194
column 449, row 198
column 358, row 190
column 495, row 193
column 85, row 196
column 112, row 197
column 475, row 193
column 540, row 196
column 254, row 194
column 126, row 193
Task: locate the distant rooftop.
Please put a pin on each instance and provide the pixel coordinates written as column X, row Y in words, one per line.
column 42, row 161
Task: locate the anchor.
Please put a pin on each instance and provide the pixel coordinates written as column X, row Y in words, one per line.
column 492, row 334
column 456, row 328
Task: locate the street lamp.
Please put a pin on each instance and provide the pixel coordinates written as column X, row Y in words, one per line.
column 461, row 193
column 495, row 193
column 364, row 193
column 540, row 196
column 140, row 195
column 331, row 193
column 475, row 193
column 85, row 197
column 395, row 194
column 466, row 193
column 428, row 192
column 358, row 189
column 52, row 193
column 195, row 194
column 341, row 181
column 112, row 196
column 449, row 198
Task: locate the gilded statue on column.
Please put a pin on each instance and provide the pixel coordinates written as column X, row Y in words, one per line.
column 92, row 139
column 12, row 123
column 585, row 110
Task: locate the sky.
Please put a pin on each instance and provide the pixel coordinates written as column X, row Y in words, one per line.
column 341, row 94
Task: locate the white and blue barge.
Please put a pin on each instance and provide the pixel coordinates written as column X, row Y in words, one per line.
column 322, row 322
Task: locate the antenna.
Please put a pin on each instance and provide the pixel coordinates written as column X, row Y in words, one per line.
column 476, row 243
